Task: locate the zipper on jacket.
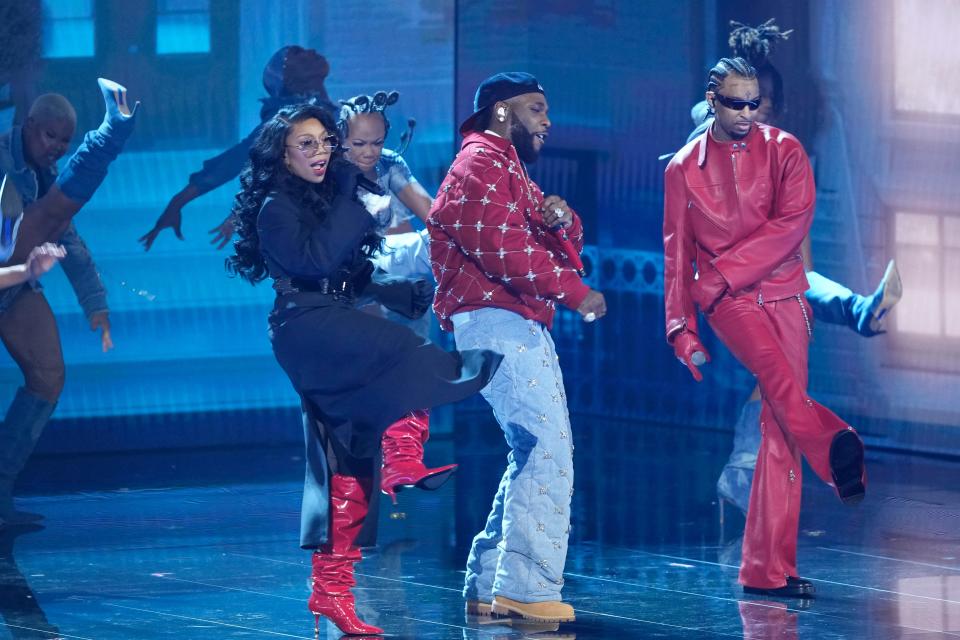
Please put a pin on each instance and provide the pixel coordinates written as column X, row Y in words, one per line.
column 736, row 180
column 736, row 187
column 704, row 214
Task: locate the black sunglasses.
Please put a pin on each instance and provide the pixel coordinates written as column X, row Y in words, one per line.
column 736, row 104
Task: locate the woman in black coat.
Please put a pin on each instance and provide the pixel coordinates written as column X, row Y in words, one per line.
column 305, row 223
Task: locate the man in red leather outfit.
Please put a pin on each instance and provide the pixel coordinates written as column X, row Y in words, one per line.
column 739, row 200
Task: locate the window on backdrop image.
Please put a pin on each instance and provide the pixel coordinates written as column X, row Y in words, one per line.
column 68, row 29
column 926, row 57
column 176, row 53
column 183, row 26
column 928, row 254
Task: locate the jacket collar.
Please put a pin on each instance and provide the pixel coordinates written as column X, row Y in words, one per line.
column 500, row 144
column 706, row 139
column 16, row 149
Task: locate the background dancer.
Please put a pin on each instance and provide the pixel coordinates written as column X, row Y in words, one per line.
column 293, row 75
column 39, row 261
column 27, row 325
column 363, row 126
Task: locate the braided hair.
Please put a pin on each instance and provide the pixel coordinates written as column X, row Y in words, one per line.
column 755, row 45
column 723, row 68
column 377, row 103
column 726, row 66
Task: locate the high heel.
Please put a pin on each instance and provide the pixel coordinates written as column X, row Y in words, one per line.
column 887, row 295
column 333, row 562
column 733, row 487
column 118, row 111
column 87, row 167
column 403, row 457
column 723, row 502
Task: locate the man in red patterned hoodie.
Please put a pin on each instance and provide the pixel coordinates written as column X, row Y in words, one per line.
column 503, row 256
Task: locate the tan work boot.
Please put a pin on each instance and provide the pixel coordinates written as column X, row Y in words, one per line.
column 550, row 611
column 478, row 608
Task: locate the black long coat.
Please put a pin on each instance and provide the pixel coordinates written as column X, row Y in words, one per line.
column 356, row 373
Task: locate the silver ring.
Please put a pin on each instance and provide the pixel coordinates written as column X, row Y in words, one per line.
column 559, row 212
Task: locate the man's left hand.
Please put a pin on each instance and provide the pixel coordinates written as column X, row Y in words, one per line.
column 101, row 320
column 556, row 213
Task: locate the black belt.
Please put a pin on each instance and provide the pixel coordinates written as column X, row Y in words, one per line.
column 339, row 288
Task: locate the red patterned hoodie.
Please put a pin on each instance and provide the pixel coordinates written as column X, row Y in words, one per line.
column 489, row 244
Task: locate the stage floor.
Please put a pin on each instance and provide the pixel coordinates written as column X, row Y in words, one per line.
column 203, row 544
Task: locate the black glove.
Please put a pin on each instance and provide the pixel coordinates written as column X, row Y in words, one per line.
column 345, row 175
column 409, row 298
column 349, row 177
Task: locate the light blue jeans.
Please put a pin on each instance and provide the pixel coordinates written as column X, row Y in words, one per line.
column 521, row 552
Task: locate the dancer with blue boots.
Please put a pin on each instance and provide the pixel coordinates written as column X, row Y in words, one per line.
column 33, row 224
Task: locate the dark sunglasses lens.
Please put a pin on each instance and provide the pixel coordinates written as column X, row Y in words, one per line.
column 738, row 105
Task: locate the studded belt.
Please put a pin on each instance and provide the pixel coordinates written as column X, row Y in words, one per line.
column 339, row 288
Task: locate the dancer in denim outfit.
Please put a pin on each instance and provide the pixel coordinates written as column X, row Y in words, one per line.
column 45, row 205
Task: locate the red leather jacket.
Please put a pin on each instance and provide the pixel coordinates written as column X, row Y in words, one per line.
column 744, row 206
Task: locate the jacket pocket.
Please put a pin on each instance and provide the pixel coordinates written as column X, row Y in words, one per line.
column 700, row 214
column 709, row 230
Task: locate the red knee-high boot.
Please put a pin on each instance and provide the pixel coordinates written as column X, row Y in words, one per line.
column 333, row 562
column 403, row 456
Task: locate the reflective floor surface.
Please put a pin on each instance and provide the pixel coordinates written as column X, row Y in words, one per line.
column 203, row 544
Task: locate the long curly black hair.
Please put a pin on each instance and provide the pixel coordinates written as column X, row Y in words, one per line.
column 266, row 172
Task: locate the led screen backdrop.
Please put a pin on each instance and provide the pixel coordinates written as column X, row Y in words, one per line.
column 879, row 123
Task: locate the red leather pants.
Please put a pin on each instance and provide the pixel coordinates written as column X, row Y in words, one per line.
column 771, row 341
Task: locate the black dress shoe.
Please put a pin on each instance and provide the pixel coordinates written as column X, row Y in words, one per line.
column 846, row 466
column 795, row 588
column 801, row 583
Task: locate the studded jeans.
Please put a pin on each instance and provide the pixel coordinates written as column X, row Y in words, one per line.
column 521, row 552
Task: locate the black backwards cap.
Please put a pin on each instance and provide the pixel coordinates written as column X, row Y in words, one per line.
column 499, row 86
